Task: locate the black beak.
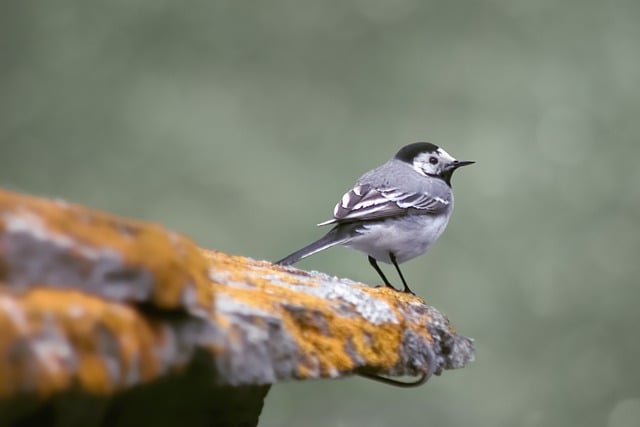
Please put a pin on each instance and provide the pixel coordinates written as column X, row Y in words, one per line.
column 446, row 175
column 459, row 163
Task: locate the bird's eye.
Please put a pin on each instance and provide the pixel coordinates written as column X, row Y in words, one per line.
column 433, row 160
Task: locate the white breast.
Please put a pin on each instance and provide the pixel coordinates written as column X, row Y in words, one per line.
column 407, row 237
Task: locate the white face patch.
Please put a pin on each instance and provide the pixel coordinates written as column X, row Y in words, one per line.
column 434, row 163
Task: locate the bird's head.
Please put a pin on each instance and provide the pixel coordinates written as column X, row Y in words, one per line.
column 430, row 160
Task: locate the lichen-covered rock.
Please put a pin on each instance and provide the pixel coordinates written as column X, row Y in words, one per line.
column 64, row 245
column 96, row 307
column 309, row 325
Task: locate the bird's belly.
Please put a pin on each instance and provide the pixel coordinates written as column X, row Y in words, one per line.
column 406, row 238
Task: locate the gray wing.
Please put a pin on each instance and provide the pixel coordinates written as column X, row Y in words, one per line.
column 363, row 203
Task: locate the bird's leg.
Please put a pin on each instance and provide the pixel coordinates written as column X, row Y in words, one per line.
column 374, row 264
column 395, row 264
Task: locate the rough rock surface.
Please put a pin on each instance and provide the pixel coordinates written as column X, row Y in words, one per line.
column 99, row 313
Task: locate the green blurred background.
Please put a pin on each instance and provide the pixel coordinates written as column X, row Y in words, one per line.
column 241, row 124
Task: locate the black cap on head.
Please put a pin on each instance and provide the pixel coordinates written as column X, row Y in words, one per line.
column 409, row 152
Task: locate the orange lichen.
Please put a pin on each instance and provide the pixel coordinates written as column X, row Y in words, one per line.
column 173, row 260
column 376, row 344
column 64, row 338
column 93, row 375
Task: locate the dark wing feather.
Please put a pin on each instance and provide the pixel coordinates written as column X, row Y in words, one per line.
column 363, row 203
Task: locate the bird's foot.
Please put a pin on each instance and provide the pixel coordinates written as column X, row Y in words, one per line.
column 406, row 290
column 388, row 285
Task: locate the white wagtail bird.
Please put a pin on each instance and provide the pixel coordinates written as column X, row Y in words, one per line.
column 395, row 212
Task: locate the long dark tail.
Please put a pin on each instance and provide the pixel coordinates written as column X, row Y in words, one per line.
column 332, row 238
